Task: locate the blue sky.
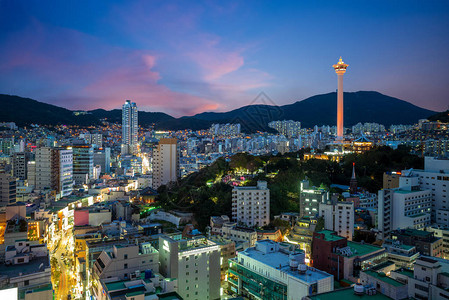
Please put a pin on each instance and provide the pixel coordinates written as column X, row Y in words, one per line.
column 185, row 57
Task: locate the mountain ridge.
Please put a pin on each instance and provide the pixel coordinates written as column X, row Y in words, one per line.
column 361, row 106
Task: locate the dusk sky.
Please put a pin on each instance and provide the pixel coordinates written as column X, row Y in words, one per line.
column 187, row 57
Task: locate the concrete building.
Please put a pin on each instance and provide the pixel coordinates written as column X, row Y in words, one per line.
column 7, row 189
column 43, row 167
column 251, row 205
column 383, row 284
column 391, row 180
column 404, row 207
column 62, row 171
column 310, row 199
column 130, row 127
column 425, row 242
column 302, row 234
column 83, row 163
column 404, row 256
column 165, row 162
column 434, row 177
column 126, row 261
column 94, row 139
column 196, row 265
column 54, row 170
column 19, row 165
column 102, row 157
column 338, row 217
column 272, row 271
column 430, row 279
column 147, row 285
column 31, row 173
column 27, row 267
column 342, row 258
column 244, row 237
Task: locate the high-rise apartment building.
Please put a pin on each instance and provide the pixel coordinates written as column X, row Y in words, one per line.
column 195, row 263
column 339, row 217
column 7, row 189
column 102, row 158
column 405, row 207
column 251, row 205
column 93, row 139
column 83, row 163
column 165, row 162
column 310, row 199
column 53, row 169
column 19, row 165
column 130, row 127
column 62, row 171
column 434, row 177
column 43, row 167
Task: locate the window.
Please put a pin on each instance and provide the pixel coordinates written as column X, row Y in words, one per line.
column 125, row 256
column 125, row 266
column 26, row 282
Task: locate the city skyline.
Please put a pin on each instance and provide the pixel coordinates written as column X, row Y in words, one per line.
column 217, row 58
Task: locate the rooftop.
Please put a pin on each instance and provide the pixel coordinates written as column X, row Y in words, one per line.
column 23, row 269
column 359, row 249
column 347, row 294
column 330, row 235
column 405, row 272
column 280, row 260
column 382, row 277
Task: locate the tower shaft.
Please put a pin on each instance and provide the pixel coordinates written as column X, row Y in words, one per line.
column 340, row 108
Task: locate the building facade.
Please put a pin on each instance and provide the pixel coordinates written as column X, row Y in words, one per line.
column 251, row 205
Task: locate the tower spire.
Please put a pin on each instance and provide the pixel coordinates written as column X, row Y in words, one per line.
column 353, row 181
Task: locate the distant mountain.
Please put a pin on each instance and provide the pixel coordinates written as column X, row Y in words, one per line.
column 25, row 111
column 360, row 106
column 442, row 117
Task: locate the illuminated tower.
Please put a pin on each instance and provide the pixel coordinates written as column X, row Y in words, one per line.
column 340, row 69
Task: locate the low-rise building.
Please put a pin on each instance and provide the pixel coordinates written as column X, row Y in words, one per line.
column 271, row 271
column 404, row 256
column 345, row 259
column 27, row 267
column 147, row 285
column 425, row 242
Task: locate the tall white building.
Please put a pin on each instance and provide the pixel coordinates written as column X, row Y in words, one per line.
column 54, row 170
column 43, row 167
column 339, row 217
column 405, row 207
column 196, row 265
column 130, row 127
column 434, row 177
column 165, row 162
column 251, row 204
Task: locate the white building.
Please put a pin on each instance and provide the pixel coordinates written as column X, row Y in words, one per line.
column 165, row 162
column 339, row 217
column 43, row 167
column 405, row 207
column 435, row 177
column 196, row 265
column 27, row 267
column 430, row 279
column 251, row 204
column 130, row 127
column 269, row 271
column 124, row 260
